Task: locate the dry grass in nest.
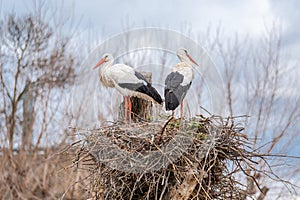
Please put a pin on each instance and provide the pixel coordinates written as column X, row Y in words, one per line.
column 163, row 160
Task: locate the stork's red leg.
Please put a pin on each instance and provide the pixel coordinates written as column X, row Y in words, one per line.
column 125, row 109
column 130, row 108
column 172, row 113
column 181, row 110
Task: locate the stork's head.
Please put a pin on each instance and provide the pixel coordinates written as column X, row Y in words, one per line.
column 184, row 56
column 106, row 58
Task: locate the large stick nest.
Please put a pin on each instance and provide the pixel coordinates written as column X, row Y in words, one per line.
column 196, row 159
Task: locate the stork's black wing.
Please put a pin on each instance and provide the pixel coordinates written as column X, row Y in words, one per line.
column 174, row 90
column 143, row 88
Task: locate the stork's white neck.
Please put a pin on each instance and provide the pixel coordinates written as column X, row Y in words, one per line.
column 104, row 77
column 185, row 59
column 109, row 62
column 106, row 65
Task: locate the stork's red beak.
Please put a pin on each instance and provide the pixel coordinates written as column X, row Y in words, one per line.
column 99, row 63
column 191, row 59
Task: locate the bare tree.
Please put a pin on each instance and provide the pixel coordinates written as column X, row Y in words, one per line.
column 32, row 65
column 257, row 84
column 36, row 68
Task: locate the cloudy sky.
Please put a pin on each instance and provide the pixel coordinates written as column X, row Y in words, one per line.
column 251, row 18
column 243, row 17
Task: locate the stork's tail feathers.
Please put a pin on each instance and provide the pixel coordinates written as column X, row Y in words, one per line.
column 171, row 100
column 150, row 91
column 154, row 94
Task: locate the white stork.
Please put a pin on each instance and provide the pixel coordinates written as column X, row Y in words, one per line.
column 127, row 81
column 179, row 81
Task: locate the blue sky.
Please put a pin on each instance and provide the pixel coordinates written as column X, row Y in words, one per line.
column 243, row 17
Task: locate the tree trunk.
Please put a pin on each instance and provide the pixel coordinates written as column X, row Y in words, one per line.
column 141, row 109
column 28, row 118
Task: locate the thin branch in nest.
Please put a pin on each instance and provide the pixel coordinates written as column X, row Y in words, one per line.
column 165, row 125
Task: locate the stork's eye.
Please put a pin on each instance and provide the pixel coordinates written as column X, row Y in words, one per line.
column 185, row 51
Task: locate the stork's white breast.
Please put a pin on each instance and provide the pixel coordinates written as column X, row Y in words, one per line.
column 186, row 70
